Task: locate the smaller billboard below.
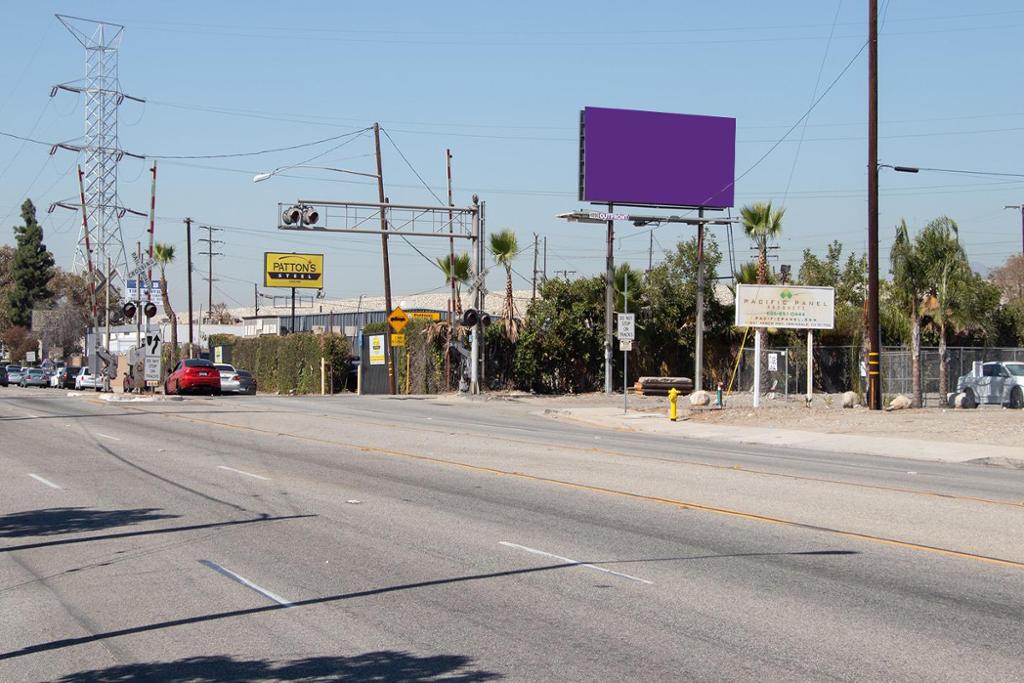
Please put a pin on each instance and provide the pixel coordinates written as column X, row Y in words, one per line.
column 651, row 158
column 293, row 270
column 786, row 306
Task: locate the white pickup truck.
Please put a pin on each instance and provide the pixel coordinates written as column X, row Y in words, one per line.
column 997, row 383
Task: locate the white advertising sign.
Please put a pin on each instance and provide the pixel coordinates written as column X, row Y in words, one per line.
column 377, row 356
column 627, row 327
column 785, row 306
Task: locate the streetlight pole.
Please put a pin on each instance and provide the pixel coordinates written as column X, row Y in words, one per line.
column 874, row 333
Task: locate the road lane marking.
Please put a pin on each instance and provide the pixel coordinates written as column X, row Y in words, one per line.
column 245, row 582
column 248, row 474
column 45, row 481
column 575, row 562
column 107, row 436
column 680, row 504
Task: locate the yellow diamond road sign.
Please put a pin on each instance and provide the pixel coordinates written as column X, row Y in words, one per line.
column 398, row 319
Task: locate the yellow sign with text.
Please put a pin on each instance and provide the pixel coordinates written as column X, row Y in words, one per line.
column 293, row 270
column 397, row 339
column 424, row 315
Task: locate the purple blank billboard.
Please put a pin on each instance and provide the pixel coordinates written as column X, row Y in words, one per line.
column 658, row 159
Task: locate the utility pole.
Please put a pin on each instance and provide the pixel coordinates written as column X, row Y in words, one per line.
column 545, row 276
column 874, row 333
column 210, row 253
column 565, row 273
column 152, row 233
column 1020, row 207
column 650, row 250
column 609, row 302
column 452, row 307
column 533, row 296
column 106, row 305
column 256, row 299
column 188, row 251
column 387, row 264
column 698, row 359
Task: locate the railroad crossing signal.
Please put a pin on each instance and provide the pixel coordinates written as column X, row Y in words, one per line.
column 398, row 319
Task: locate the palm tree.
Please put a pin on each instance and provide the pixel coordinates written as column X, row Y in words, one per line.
column 458, row 275
column 762, row 223
column 504, row 248
column 163, row 254
column 910, row 284
column 949, row 275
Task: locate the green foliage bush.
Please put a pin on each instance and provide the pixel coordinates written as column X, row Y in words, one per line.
column 289, row 363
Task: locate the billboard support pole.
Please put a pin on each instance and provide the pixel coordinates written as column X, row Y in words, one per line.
column 609, row 302
column 698, row 360
column 292, row 330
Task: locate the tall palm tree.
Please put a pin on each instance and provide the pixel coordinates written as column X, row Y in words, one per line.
column 163, row 254
column 762, row 223
column 910, row 286
column 504, row 248
column 458, row 275
column 949, row 274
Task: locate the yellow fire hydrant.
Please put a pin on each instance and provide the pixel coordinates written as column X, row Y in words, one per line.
column 673, row 395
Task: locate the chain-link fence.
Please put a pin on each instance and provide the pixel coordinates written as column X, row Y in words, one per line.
column 841, row 368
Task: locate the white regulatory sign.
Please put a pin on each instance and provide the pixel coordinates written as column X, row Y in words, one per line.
column 152, row 369
column 154, row 346
column 627, row 327
column 625, row 345
column 773, row 362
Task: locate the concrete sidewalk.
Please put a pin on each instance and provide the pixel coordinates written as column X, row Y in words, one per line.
column 918, row 449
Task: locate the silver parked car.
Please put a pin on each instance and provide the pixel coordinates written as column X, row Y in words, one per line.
column 34, row 377
column 14, row 373
column 997, row 383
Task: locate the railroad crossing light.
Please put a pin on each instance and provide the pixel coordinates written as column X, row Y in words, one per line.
column 129, row 310
column 291, row 215
column 485, row 319
column 470, row 318
column 309, row 215
column 149, row 310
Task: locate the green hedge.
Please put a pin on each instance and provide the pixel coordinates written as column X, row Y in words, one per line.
column 289, row 363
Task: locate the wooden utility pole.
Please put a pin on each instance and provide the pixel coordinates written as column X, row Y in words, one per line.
column 698, row 359
column 533, row 296
column 452, row 307
column 188, row 252
column 874, row 333
column 387, row 264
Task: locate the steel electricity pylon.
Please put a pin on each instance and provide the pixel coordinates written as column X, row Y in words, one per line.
column 99, row 147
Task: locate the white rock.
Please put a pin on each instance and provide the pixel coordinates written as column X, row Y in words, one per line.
column 901, row 402
column 700, row 398
column 849, row 399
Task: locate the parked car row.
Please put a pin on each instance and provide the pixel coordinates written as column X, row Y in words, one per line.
column 200, row 376
column 54, row 378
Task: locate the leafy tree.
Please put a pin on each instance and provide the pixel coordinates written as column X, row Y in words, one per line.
column 18, row 340
column 6, row 283
column 31, row 269
column 504, row 248
column 849, row 280
column 1009, row 278
column 561, row 346
column 163, row 254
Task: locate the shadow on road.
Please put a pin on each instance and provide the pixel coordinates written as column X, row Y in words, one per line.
column 150, row 532
column 328, row 599
column 52, row 521
column 387, row 665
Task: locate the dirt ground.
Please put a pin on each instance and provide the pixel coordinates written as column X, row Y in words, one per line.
column 987, row 425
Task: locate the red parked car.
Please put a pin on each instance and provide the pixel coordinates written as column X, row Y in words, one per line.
column 195, row 375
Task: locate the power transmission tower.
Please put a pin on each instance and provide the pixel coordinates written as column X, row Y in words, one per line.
column 103, row 96
column 210, row 253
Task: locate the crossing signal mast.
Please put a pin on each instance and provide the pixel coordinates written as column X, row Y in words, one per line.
column 100, row 237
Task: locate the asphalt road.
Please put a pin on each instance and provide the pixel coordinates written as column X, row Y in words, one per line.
column 274, row 538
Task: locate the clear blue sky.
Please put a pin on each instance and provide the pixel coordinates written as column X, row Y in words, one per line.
column 501, row 84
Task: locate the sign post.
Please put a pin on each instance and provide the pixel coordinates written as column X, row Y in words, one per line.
column 397, row 320
column 626, row 334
